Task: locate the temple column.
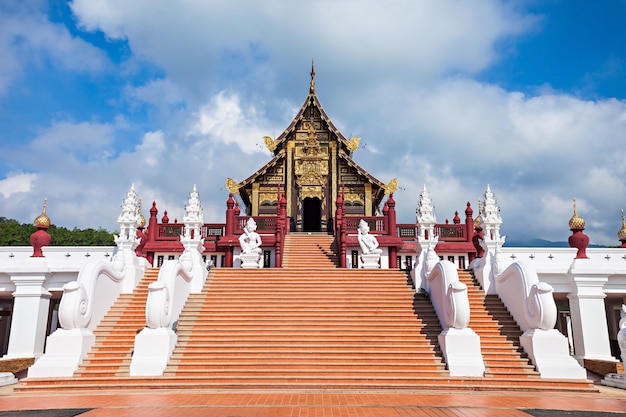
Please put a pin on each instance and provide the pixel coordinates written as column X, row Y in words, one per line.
column 335, row 176
column 255, row 199
column 393, row 232
column 31, row 305
column 229, row 232
column 368, row 199
column 588, row 315
column 288, row 174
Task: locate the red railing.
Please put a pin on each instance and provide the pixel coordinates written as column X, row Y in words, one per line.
column 264, row 224
column 451, row 232
column 173, row 231
column 170, row 231
column 407, row 231
column 377, row 224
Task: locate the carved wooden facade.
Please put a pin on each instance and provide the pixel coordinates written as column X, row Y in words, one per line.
column 312, row 165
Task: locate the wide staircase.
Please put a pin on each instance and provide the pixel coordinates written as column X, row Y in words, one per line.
column 311, row 325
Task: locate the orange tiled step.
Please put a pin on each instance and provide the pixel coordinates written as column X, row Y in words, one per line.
column 277, row 382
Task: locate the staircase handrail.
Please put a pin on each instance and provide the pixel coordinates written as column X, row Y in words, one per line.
column 448, row 296
column 79, row 307
column 167, row 295
column 529, row 300
column 459, row 344
column 532, row 305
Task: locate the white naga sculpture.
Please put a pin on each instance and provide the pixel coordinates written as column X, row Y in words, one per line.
column 250, row 242
column 621, row 335
column 369, row 246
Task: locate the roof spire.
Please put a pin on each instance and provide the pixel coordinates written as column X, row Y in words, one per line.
column 312, row 88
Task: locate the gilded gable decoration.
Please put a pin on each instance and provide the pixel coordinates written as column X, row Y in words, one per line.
column 311, row 191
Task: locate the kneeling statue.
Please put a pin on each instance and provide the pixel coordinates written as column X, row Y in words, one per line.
column 250, row 242
column 369, row 246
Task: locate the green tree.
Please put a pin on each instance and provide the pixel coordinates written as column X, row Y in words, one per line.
column 12, row 233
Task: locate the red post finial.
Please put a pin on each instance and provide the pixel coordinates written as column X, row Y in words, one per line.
column 578, row 239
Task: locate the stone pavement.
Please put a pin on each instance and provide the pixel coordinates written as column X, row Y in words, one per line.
column 253, row 403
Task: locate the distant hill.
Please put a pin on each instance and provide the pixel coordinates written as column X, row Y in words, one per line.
column 541, row 243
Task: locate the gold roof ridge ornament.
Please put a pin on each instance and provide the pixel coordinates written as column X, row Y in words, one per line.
column 232, row 186
column 270, row 143
column 391, row 186
column 353, row 143
column 312, row 87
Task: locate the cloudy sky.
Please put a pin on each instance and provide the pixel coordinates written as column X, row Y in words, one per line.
column 526, row 96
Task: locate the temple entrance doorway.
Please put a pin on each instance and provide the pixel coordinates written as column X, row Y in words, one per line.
column 311, row 214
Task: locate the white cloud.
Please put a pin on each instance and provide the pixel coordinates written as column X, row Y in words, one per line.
column 224, row 120
column 156, row 92
column 17, row 183
column 151, row 149
column 405, row 39
column 27, row 37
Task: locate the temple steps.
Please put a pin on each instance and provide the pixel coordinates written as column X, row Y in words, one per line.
column 115, row 334
column 309, row 325
column 303, row 250
column 499, row 334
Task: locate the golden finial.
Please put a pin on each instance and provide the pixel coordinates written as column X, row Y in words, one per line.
column 353, row 143
column 270, row 143
column 312, row 88
column 43, row 221
column 576, row 222
column 142, row 220
column 621, row 235
column 479, row 218
column 232, row 186
column 392, row 186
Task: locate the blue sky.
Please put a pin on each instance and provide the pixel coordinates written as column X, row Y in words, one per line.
column 526, row 96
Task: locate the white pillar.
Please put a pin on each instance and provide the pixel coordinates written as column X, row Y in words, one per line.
column 30, row 313
column 589, row 324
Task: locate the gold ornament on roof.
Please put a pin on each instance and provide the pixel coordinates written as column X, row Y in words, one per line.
column 621, row 235
column 353, row 143
column 270, row 143
column 43, row 220
column 576, row 222
column 391, row 186
column 232, row 186
column 312, row 86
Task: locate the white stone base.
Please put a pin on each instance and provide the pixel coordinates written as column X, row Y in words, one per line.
column 250, row 260
column 7, row 378
column 461, row 350
column 615, row 380
column 65, row 350
column 549, row 352
column 153, row 348
column 371, row 261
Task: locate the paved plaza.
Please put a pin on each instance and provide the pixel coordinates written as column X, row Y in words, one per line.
column 252, row 403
